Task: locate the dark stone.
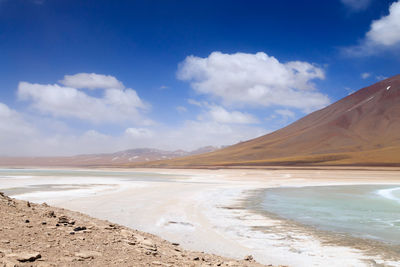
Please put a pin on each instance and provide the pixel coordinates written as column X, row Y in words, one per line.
column 79, row 228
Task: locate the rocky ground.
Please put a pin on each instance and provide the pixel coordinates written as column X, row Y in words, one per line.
column 40, row 235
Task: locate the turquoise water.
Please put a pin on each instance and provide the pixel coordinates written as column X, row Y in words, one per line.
column 366, row 211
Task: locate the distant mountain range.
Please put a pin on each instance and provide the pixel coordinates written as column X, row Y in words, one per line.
column 360, row 129
column 121, row 158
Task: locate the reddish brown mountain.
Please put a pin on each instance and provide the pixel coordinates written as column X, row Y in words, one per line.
column 360, row 129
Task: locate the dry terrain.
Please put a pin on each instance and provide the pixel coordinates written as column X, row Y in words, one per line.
column 40, row 235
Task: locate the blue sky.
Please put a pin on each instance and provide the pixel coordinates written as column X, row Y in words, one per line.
column 102, row 76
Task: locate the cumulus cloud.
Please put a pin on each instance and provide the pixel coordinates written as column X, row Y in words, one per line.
column 32, row 132
column 255, row 80
column 114, row 106
column 91, row 81
column 386, row 30
column 357, row 5
column 383, row 34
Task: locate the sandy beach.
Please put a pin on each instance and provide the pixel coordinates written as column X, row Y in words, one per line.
column 204, row 210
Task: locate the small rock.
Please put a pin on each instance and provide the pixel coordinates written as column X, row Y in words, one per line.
column 196, row 258
column 126, row 233
column 28, row 204
column 79, row 228
column 44, row 223
column 88, row 254
column 65, row 220
column 50, row 214
column 27, row 221
column 147, row 244
column 249, row 258
column 110, row 227
column 26, row 256
column 130, row 242
column 175, row 244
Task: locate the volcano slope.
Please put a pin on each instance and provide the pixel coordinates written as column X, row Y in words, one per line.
column 362, row 129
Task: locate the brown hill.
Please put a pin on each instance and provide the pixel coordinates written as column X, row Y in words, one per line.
column 360, row 129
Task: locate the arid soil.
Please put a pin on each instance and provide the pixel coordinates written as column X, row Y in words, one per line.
column 40, row 235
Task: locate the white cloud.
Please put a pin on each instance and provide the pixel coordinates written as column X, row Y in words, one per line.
column 32, row 134
column 91, row 81
column 365, row 75
column 383, row 34
column 254, row 79
column 12, row 124
column 286, row 113
column 139, row 132
column 386, row 30
column 194, row 134
column 15, row 132
column 221, row 115
column 357, row 5
column 115, row 105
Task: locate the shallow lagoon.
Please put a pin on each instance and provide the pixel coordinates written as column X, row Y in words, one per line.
column 366, row 211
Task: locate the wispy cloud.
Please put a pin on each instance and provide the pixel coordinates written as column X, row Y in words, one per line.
column 365, row 75
column 381, row 77
column 357, row 5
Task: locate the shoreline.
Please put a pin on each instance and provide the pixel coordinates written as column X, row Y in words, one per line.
column 196, row 212
column 379, row 251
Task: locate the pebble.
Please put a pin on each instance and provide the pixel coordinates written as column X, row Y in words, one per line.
column 79, row 228
column 88, row 254
column 26, row 256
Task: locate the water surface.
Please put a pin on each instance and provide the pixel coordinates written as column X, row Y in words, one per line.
column 366, row 211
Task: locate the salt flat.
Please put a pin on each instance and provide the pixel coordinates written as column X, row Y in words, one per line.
column 201, row 209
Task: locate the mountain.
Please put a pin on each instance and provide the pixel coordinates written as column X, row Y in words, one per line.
column 360, row 129
column 114, row 159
